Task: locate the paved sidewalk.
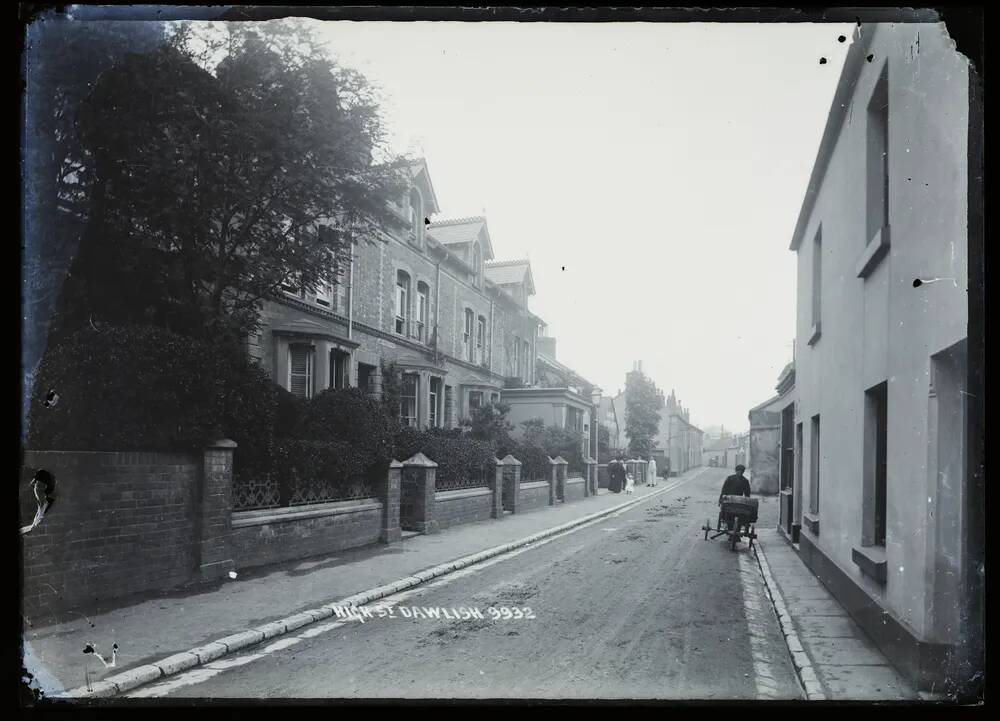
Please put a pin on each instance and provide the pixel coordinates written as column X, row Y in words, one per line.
column 836, row 659
column 151, row 628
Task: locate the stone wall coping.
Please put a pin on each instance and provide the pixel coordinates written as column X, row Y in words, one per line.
column 265, row 516
column 509, row 460
column 534, row 484
column 395, row 464
column 221, row 443
column 558, row 461
column 462, row 493
column 576, row 479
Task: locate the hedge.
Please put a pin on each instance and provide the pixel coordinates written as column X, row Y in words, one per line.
column 144, row 388
column 459, row 458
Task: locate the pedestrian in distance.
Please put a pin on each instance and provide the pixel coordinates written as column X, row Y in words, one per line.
column 629, row 483
column 651, row 470
column 616, row 475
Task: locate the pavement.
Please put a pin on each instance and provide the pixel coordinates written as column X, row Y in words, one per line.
column 165, row 627
column 834, row 657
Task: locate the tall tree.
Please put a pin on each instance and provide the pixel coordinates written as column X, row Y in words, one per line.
column 63, row 59
column 227, row 167
column 642, row 413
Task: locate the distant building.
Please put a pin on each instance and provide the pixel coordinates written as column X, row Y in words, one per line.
column 772, row 456
column 559, row 396
column 612, row 417
column 727, row 451
column 680, row 439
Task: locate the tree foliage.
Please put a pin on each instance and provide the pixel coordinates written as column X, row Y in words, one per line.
column 642, row 414
column 62, row 60
column 226, row 167
column 489, row 423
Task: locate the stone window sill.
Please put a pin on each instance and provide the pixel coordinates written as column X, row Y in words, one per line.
column 811, row 522
column 817, row 331
column 871, row 560
column 876, row 249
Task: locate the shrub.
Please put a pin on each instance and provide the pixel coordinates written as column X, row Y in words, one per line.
column 540, row 441
column 459, row 457
column 489, row 423
column 131, row 388
column 350, row 417
column 534, row 461
column 330, row 463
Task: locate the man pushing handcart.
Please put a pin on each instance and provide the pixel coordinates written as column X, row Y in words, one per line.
column 737, row 511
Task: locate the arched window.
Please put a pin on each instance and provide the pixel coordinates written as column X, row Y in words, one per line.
column 402, row 302
column 416, row 216
column 423, row 293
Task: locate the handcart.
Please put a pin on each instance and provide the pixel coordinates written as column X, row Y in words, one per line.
column 737, row 516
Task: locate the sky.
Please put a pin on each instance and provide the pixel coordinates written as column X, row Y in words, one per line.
column 652, row 173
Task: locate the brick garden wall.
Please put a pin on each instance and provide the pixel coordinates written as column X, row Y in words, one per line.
column 260, row 538
column 534, row 495
column 122, row 523
column 453, row 508
column 574, row 490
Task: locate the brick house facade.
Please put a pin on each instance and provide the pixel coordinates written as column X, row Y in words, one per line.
column 425, row 299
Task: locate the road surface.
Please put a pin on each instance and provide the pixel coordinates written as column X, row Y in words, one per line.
column 634, row 606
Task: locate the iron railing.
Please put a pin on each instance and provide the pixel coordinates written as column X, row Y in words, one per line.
column 254, row 495
column 482, row 479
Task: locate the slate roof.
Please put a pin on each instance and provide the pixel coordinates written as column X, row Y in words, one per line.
column 461, row 230
column 506, row 272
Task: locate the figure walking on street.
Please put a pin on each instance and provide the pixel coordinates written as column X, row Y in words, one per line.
column 651, row 471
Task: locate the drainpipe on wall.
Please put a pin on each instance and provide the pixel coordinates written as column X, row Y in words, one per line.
column 437, row 308
column 491, row 335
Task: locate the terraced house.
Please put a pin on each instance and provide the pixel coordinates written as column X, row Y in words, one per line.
column 431, row 301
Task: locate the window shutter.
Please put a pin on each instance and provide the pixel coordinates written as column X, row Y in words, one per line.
column 300, row 371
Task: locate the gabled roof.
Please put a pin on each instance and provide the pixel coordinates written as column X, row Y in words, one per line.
column 508, row 272
column 853, row 64
column 462, row 230
column 417, row 167
column 786, row 380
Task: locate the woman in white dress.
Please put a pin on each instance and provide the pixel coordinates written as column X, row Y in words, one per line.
column 651, row 472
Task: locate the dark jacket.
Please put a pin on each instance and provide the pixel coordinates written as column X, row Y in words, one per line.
column 616, row 476
column 735, row 485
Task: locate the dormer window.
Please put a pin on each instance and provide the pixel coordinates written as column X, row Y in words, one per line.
column 416, row 216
